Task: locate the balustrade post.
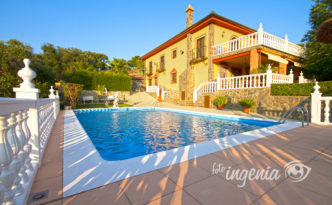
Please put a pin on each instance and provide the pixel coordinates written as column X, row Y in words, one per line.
column 27, row 90
column 52, row 96
column 22, row 139
column 27, row 147
column 7, row 175
column 291, row 76
column 260, row 34
column 218, row 82
column 17, row 162
column 316, row 105
column 286, row 43
column 301, row 78
column 269, row 77
column 327, row 111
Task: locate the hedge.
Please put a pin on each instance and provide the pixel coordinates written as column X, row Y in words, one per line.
column 95, row 80
column 303, row 89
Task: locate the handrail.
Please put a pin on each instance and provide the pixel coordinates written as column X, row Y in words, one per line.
column 289, row 112
column 155, row 104
column 258, row 38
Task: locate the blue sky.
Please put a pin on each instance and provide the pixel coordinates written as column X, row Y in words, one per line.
column 127, row 28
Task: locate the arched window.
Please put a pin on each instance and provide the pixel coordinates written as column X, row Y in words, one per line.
column 234, row 37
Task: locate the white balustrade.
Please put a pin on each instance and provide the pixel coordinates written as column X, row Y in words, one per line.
column 261, row 80
column 22, row 139
column 258, row 38
column 153, row 89
column 319, row 115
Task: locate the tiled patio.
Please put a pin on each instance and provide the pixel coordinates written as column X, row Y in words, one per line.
column 192, row 182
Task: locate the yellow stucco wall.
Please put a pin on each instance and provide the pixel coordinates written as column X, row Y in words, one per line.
column 179, row 63
column 201, row 69
column 222, row 34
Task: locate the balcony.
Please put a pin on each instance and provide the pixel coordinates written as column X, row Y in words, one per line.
column 255, row 39
column 198, row 54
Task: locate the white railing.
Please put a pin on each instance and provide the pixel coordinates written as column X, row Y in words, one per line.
column 236, row 44
column 261, row 80
column 153, row 89
column 164, row 94
column 25, row 126
column 258, row 38
column 316, row 107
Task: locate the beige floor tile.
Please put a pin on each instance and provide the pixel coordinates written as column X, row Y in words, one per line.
column 291, row 193
column 54, row 187
column 208, row 161
column 50, row 169
column 147, row 187
column 216, row 190
column 311, row 144
column 57, row 202
column 176, row 198
column 289, row 153
column 315, row 182
column 325, row 156
column 259, row 185
column 322, row 168
column 109, row 194
column 185, row 173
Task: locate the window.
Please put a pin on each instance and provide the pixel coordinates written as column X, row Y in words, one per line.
column 173, row 75
column 174, row 54
column 150, row 67
column 200, row 47
column 234, row 37
column 162, row 62
column 150, row 82
column 156, row 81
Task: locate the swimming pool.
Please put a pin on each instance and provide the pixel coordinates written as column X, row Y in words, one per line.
column 85, row 167
column 126, row 133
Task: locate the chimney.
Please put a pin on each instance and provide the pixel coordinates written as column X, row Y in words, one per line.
column 189, row 12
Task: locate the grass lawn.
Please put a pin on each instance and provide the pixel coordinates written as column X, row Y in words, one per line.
column 86, row 106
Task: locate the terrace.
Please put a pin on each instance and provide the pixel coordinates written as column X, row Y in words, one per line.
column 35, row 137
column 259, row 38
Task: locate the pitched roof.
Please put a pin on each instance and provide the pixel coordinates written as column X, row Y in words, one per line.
column 211, row 18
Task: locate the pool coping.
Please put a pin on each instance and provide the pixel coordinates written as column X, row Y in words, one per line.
column 85, row 169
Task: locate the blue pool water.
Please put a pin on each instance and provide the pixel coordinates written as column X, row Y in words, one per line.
column 126, row 133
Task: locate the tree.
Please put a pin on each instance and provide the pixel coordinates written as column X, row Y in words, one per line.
column 12, row 54
column 318, row 56
column 119, row 65
column 136, row 62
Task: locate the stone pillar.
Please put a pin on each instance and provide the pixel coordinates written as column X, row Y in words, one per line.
column 301, row 78
column 27, row 89
column 254, row 61
column 210, row 50
column 316, row 105
column 190, row 86
column 282, row 68
column 190, row 12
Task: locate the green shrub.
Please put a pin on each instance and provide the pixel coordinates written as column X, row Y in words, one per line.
column 303, row 89
column 247, row 103
column 95, row 80
column 220, row 100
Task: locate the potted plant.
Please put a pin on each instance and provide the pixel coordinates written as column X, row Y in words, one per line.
column 219, row 101
column 247, row 103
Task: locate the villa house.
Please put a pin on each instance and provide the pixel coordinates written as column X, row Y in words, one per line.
column 218, row 53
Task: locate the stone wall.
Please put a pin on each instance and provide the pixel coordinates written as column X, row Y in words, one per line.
column 100, row 97
column 266, row 104
column 174, row 97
